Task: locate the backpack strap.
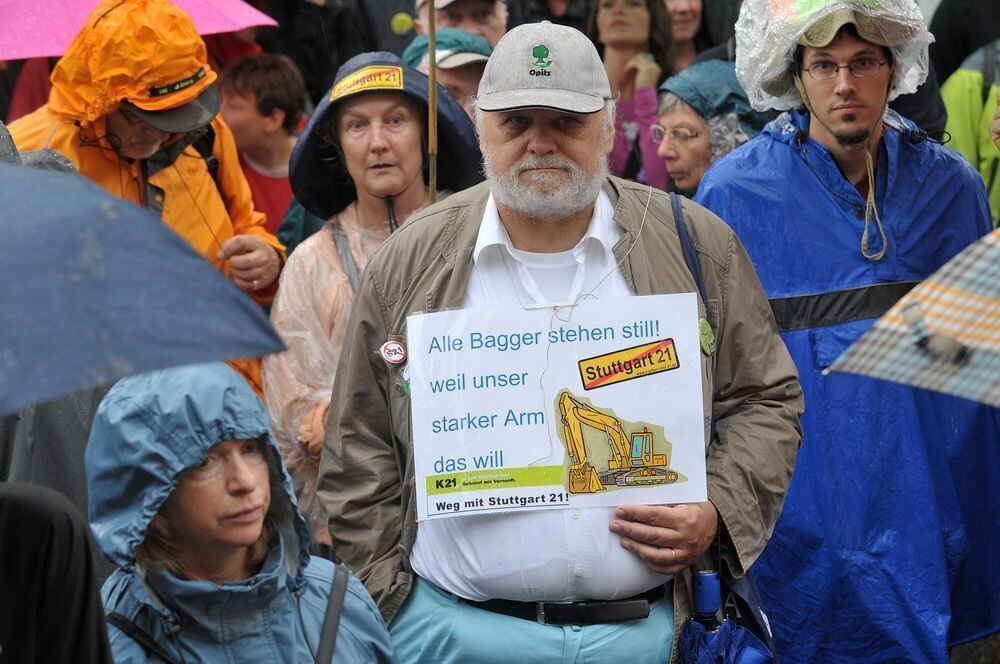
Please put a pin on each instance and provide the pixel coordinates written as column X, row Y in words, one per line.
column 741, row 599
column 202, row 140
column 331, row 621
column 989, row 69
column 204, row 143
column 135, row 633
column 690, row 253
column 346, row 257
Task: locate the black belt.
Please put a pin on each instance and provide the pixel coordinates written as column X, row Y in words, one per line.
column 588, row 612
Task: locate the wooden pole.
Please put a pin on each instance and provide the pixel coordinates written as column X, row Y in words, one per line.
column 432, row 125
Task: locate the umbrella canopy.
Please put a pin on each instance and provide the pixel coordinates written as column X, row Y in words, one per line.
column 943, row 335
column 95, row 288
column 704, row 640
column 44, row 28
column 729, row 644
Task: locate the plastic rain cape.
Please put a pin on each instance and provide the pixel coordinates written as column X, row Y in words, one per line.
column 768, row 31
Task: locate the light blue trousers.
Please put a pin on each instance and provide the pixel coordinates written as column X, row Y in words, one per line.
column 435, row 626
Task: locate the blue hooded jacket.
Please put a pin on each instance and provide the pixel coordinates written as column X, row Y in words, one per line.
column 147, row 431
column 886, row 545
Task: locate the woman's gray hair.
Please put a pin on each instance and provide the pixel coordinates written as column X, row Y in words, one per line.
column 727, row 134
column 668, row 100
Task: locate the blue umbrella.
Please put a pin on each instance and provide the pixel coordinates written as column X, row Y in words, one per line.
column 728, row 644
column 93, row 288
column 704, row 640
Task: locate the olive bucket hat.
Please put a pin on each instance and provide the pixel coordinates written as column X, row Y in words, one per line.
column 317, row 172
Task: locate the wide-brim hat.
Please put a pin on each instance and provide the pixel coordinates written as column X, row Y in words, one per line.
column 883, row 30
column 317, row 173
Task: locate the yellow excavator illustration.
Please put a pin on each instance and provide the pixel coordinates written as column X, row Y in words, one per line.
column 632, row 460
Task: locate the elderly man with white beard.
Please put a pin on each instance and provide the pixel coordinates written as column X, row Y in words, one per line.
column 548, row 228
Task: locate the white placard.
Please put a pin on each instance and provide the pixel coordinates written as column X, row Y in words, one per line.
column 592, row 405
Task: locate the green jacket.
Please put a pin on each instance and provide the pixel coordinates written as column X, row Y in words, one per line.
column 366, row 479
column 969, row 116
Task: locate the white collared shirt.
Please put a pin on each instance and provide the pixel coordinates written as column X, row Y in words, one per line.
column 551, row 555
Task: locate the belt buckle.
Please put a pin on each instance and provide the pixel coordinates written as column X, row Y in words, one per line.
column 540, row 611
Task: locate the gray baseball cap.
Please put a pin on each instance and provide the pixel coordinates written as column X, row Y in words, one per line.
column 544, row 65
column 440, row 4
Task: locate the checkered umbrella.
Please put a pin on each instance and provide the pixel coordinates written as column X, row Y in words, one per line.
column 943, row 335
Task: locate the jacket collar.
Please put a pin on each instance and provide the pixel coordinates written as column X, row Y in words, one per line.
column 792, row 129
column 457, row 243
column 204, row 602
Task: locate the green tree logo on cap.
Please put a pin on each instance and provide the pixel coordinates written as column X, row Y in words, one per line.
column 540, row 53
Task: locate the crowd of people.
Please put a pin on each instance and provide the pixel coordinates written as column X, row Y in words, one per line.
column 799, row 166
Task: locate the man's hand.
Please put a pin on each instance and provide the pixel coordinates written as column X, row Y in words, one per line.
column 668, row 538
column 645, row 70
column 313, row 428
column 995, row 125
column 255, row 263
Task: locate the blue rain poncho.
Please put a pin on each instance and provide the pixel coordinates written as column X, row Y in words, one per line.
column 886, row 548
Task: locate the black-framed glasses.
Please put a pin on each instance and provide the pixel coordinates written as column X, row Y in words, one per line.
column 824, row 71
column 678, row 135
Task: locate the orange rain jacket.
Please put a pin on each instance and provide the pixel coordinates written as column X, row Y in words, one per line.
column 125, row 51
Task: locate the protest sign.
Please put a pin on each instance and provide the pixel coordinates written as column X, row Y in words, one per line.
column 589, row 405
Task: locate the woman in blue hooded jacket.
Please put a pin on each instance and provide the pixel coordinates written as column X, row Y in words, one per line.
column 189, row 498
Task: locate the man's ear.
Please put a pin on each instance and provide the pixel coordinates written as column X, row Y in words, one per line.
column 418, row 25
column 608, row 142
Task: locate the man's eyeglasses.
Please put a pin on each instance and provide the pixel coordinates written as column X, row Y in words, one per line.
column 678, row 135
column 824, row 71
column 130, row 117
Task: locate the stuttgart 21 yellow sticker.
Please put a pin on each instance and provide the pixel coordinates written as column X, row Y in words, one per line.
column 375, row 77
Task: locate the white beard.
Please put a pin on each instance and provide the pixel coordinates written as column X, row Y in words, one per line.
column 579, row 192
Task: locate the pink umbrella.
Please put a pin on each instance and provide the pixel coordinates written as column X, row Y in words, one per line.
column 44, row 28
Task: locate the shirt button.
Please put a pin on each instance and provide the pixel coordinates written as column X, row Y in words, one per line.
column 578, row 571
column 575, row 514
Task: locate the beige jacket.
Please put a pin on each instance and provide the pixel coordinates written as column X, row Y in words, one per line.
column 366, row 482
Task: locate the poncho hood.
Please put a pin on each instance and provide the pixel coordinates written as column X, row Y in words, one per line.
column 711, row 89
column 152, row 427
column 145, row 51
